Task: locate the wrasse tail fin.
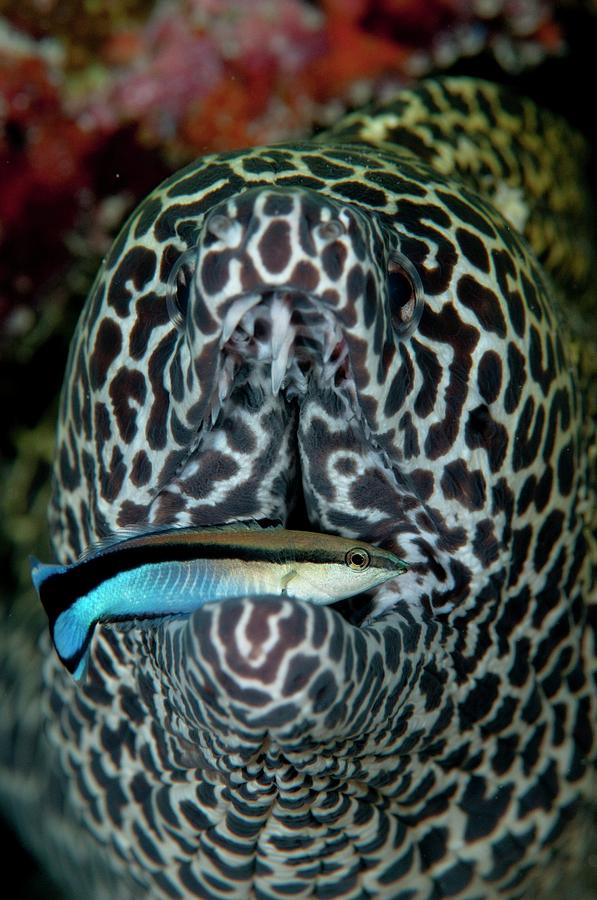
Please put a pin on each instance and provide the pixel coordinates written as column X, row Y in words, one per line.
column 69, row 634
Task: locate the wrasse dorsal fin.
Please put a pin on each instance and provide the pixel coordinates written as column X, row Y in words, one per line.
column 116, row 539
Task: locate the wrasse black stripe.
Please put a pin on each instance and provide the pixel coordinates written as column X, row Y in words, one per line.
column 62, row 589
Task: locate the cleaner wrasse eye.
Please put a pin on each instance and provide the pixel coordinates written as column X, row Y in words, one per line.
column 176, row 571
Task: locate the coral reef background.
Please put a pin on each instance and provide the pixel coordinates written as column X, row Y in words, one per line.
column 100, row 100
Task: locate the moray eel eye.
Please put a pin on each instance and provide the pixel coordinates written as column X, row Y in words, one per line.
column 330, row 231
column 405, row 295
column 357, row 559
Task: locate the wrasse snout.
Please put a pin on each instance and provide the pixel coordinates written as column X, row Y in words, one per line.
column 175, row 572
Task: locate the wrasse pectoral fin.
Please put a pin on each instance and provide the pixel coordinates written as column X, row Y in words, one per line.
column 286, row 579
column 69, row 635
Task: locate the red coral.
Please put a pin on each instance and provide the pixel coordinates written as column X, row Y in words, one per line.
column 200, row 76
column 353, row 53
column 170, row 68
column 42, row 149
column 208, row 58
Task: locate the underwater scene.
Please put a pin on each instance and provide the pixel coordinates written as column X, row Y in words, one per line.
column 298, row 475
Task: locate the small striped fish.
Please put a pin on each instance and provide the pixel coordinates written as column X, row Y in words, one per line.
column 175, row 571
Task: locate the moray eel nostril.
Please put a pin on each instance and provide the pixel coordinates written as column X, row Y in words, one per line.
column 329, row 231
column 363, row 332
column 222, row 227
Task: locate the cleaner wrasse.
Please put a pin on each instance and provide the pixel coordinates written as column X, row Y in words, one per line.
column 176, row 571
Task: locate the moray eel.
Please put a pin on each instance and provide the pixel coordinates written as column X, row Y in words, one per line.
column 365, row 334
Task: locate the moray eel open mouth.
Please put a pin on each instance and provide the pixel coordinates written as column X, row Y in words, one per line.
column 298, row 337
column 272, row 344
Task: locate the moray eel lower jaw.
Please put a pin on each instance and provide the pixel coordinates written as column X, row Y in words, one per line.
column 241, row 685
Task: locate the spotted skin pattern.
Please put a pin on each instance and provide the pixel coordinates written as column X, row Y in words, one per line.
column 354, row 325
